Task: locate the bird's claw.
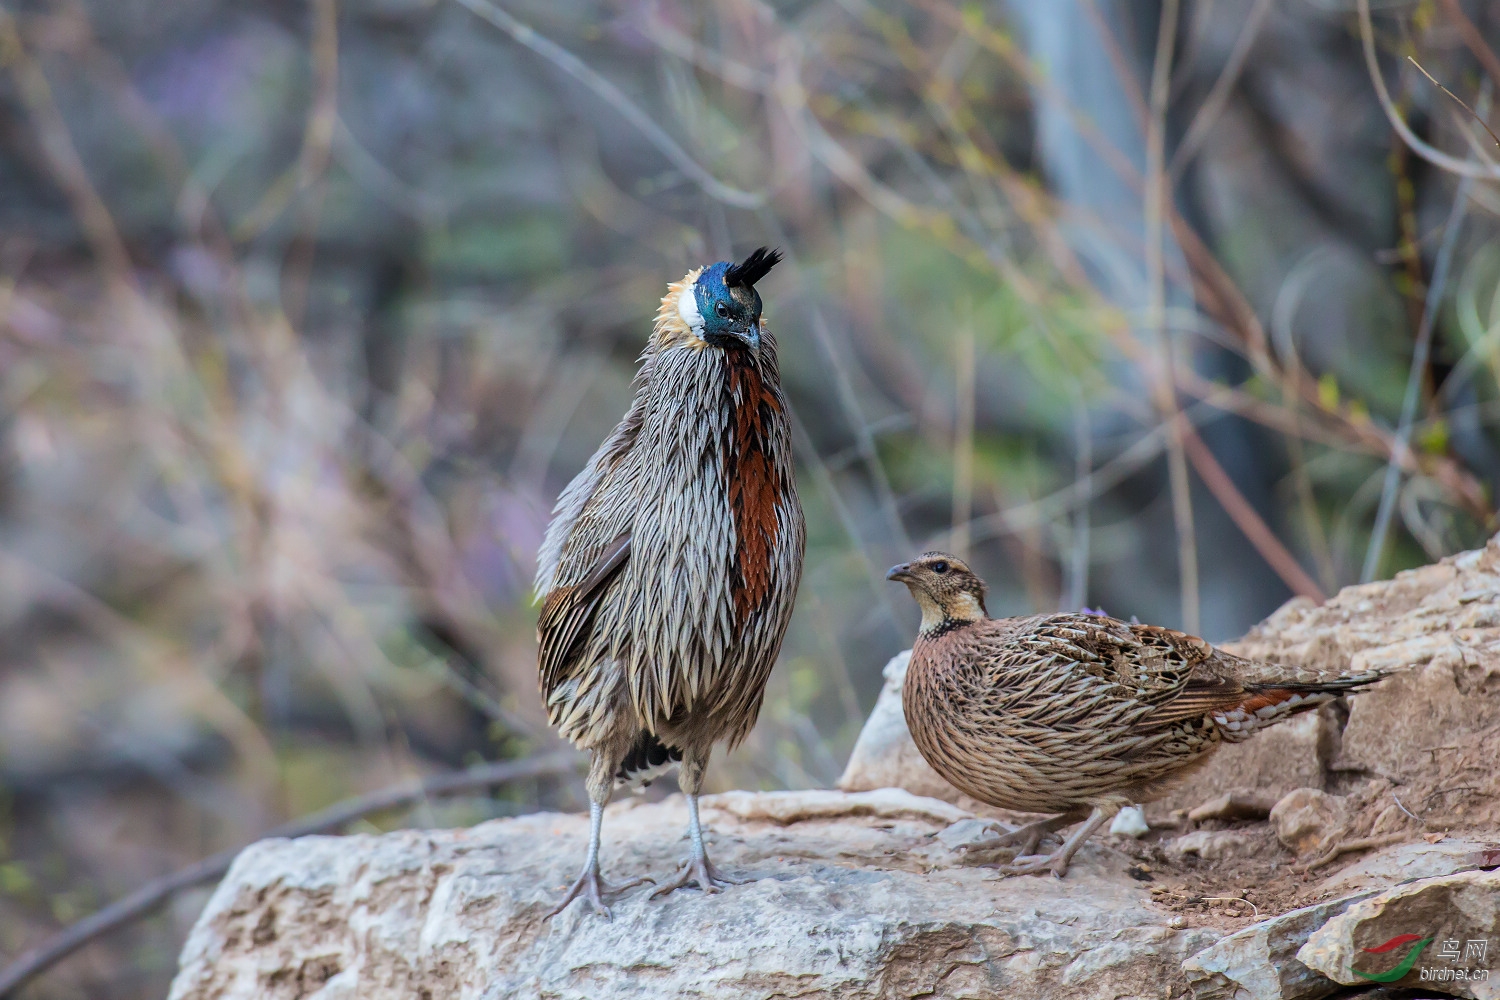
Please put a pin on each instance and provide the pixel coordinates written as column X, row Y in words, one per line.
column 1026, row 837
column 1035, row 864
column 704, row 874
column 592, row 889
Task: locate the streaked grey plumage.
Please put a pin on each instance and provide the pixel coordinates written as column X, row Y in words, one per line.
column 1078, row 714
column 672, row 560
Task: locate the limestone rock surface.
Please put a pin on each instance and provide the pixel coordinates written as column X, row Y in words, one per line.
column 884, row 756
column 1449, row 926
column 1259, row 962
column 853, row 897
column 1308, row 819
column 1438, row 626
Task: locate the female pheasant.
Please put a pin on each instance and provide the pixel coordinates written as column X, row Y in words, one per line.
column 1077, row 714
column 672, row 560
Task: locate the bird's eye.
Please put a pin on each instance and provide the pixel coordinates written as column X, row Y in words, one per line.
column 940, row 567
column 722, row 310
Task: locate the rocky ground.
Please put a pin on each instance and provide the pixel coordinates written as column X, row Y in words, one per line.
column 1270, row 874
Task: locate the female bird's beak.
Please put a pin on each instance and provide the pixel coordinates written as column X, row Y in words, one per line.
column 901, row 572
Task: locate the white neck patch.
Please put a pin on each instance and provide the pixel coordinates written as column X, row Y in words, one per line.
column 687, row 308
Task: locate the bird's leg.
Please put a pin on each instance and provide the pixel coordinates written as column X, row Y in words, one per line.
column 1028, row 836
column 698, row 869
column 589, row 885
column 1057, row 862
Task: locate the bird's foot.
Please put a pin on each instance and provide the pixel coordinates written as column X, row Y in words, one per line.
column 1037, row 864
column 1024, row 838
column 704, row 874
column 592, row 889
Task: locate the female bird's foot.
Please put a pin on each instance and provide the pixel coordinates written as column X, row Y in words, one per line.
column 1037, row 864
column 592, row 889
column 701, row 872
column 1026, row 838
column 1057, row 862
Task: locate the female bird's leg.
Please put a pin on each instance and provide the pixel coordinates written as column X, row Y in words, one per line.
column 589, row 885
column 1028, row 836
column 698, row 869
column 1057, row 862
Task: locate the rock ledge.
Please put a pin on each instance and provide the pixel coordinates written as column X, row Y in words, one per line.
column 855, row 898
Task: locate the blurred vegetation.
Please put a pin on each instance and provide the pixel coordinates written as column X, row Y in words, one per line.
column 308, row 309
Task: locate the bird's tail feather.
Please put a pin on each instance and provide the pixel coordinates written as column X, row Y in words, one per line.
column 649, row 758
column 1268, row 704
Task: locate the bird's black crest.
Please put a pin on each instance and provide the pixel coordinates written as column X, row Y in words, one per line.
column 752, row 269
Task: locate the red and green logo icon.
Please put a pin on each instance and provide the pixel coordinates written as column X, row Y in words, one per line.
column 1407, row 961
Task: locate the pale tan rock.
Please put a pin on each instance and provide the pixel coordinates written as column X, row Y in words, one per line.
column 1213, row 845
column 855, row 903
column 1451, row 910
column 1308, row 819
column 1238, row 804
column 1403, row 862
column 884, row 756
column 1259, row 962
column 1441, row 622
column 785, row 808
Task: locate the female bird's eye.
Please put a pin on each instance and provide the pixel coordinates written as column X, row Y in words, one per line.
column 940, row 567
column 722, row 310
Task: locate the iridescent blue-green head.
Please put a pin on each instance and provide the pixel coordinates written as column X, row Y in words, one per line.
column 718, row 306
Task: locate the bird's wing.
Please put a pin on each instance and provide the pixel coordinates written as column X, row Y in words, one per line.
column 576, row 498
column 568, row 614
column 1145, row 663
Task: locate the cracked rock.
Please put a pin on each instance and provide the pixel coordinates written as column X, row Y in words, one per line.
column 1434, row 934
column 1308, row 819
column 852, row 897
column 1259, row 962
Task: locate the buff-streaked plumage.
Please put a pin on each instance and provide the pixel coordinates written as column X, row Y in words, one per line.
column 672, row 561
column 1078, row 713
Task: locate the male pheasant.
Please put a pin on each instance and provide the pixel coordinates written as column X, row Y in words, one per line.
column 1078, row 714
column 672, row 560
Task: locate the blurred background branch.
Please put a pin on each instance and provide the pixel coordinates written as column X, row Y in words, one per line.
column 308, row 309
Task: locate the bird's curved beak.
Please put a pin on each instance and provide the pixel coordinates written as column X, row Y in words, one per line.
column 900, row 572
column 750, row 335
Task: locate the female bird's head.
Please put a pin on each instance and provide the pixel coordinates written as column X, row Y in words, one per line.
column 945, row 588
column 716, row 306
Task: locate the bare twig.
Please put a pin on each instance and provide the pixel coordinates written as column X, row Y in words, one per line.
column 1234, row 899
column 1414, row 378
column 804, row 443
column 963, row 443
column 317, row 148
column 1213, row 105
column 1083, row 464
column 1165, row 382
column 148, row 897
column 1473, row 39
column 570, row 64
column 1438, row 158
column 1472, row 113
column 848, row 399
column 1288, row 299
column 1248, row 521
column 62, row 156
column 1348, row 846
